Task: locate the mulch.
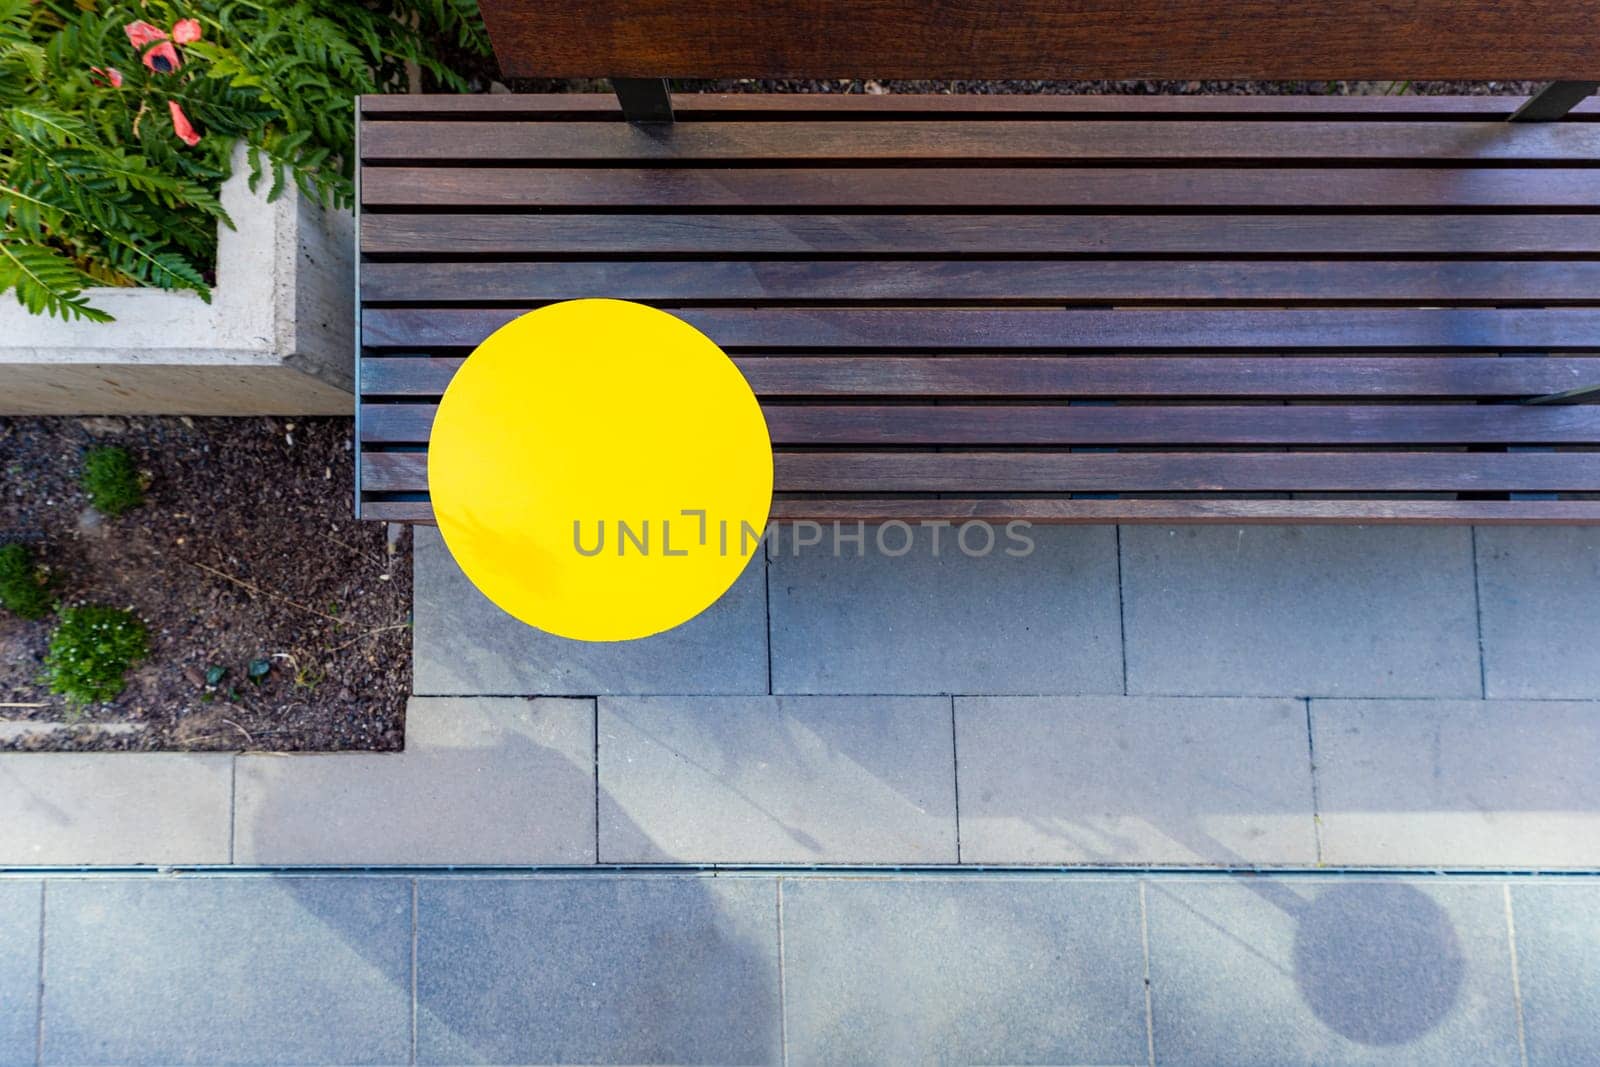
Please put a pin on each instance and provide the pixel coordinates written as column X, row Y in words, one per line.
column 245, row 549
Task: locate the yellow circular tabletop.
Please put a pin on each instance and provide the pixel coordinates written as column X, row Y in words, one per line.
column 600, row 470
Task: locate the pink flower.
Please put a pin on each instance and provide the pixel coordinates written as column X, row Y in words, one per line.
column 110, row 74
column 186, row 30
column 163, row 58
column 180, row 125
column 142, row 33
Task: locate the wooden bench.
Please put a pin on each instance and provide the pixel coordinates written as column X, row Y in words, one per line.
column 1056, row 308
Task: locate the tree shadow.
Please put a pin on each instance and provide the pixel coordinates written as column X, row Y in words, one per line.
column 548, row 967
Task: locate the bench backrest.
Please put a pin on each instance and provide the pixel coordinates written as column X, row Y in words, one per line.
column 1542, row 40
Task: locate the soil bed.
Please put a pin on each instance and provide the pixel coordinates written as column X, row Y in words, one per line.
column 245, row 549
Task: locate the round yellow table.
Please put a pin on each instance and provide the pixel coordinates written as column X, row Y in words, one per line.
column 600, row 470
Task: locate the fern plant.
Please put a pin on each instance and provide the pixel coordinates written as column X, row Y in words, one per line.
column 118, row 120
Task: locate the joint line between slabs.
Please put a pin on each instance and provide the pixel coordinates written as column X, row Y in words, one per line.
column 1516, row 977
column 38, row 1030
column 1477, row 617
column 783, row 1001
column 1316, row 799
column 1149, row 1012
column 414, row 938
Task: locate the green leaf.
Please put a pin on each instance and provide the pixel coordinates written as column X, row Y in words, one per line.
column 214, row 674
column 258, row 669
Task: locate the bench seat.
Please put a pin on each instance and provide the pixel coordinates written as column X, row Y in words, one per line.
column 1050, row 308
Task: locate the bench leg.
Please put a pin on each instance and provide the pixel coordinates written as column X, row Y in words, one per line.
column 644, row 99
column 1554, row 101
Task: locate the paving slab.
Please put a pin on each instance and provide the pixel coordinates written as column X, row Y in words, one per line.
column 1539, row 589
column 1157, row 780
column 114, row 808
column 482, row 780
column 1558, row 967
column 948, row 623
column 1458, row 782
column 1300, row 611
column 1283, row 973
column 228, row 971
column 652, row 969
column 20, row 917
column 777, row 780
column 465, row 646
column 971, row 971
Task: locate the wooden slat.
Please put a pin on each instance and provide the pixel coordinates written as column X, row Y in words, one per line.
column 994, row 235
column 1180, row 510
column 1112, row 472
column 1093, row 376
column 1065, row 510
column 1278, row 188
column 1226, row 472
column 1107, row 330
column 1158, row 376
column 1448, row 40
column 1062, row 424
column 986, row 141
column 850, row 107
column 774, row 282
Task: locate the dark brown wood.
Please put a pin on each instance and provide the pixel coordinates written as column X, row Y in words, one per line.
column 836, row 107
column 1144, row 39
column 1168, row 472
column 1127, row 376
column 1344, row 303
column 800, row 425
column 990, row 142
column 1122, row 472
column 1041, row 328
column 1302, row 235
column 1063, row 377
column 778, row 282
column 1053, row 510
column 1063, row 510
column 1098, row 188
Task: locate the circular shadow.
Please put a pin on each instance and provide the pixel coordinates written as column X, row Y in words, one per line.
column 1377, row 962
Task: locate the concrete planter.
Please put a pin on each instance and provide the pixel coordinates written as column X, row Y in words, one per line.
column 276, row 339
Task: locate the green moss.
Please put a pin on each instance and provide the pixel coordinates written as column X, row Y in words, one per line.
column 91, row 650
column 22, row 587
column 111, row 480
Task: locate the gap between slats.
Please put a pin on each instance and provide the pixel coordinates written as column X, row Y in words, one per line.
column 1113, row 472
column 962, row 282
column 1287, row 376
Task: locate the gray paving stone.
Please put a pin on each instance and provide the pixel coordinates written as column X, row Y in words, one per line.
column 920, row 623
column 1558, row 967
column 114, row 808
column 1539, row 588
column 1458, row 782
column 1283, row 973
column 482, row 780
column 1300, row 611
column 598, row 970
column 777, row 779
column 1111, row 779
column 228, row 971
column 962, row 971
column 20, row 914
column 465, row 646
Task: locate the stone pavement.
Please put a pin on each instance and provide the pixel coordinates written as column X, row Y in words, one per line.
column 1213, row 696
column 753, row 968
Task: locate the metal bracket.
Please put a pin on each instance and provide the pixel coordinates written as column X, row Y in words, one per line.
column 1571, row 396
column 1554, row 101
column 644, row 99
